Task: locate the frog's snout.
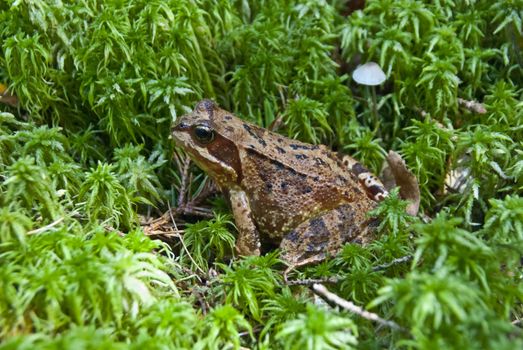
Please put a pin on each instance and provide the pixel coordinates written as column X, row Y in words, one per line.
column 178, row 130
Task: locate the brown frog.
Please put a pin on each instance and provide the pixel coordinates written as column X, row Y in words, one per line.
column 304, row 197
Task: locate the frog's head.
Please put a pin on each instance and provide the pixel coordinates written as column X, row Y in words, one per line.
column 210, row 136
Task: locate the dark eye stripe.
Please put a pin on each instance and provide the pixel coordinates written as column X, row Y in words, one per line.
column 227, row 152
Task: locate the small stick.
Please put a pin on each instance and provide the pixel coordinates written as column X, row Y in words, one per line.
column 396, row 261
column 46, row 227
column 276, row 123
column 323, row 292
column 181, row 240
column 187, row 209
column 337, row 279
column 311, row 281
column 473, row 106
column 170, row 233
column 112, row 229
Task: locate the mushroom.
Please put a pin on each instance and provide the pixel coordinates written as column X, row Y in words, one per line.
column 370, row 74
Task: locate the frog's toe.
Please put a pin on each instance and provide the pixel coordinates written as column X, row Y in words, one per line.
column 243, row 249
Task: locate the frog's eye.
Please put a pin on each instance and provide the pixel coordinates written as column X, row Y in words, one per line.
column 203, row 133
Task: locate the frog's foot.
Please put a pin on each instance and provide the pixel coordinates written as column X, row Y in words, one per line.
column 373, row 186
column 246, row 250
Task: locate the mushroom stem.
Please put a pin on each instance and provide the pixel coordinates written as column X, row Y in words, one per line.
column 374, row 107
column 370, row 74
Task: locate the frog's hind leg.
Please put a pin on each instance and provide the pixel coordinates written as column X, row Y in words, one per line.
column 313, row 240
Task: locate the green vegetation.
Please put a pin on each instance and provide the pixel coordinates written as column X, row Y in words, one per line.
column 86, row 156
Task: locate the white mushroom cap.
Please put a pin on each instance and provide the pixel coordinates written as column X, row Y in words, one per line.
column 369, row 73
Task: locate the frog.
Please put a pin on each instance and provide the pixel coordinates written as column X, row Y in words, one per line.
column 304, row 198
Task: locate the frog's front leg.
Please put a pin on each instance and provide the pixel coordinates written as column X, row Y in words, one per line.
column 314, row 239
column 248, row 241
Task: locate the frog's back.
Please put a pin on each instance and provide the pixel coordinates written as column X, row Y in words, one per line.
column 291, row 181
column 297, row 156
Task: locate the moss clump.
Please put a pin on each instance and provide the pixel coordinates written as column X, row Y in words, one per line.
column 86, row 155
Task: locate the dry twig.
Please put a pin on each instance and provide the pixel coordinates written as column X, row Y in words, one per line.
column 46, row 227
column 323, row 292
column 112, row 229
column 396, row 261
column 311, row 281
column 183, row 243
column 473, row 106
column 337, row 279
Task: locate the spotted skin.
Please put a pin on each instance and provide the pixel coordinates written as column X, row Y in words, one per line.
column 327, row 232
column 304, row 197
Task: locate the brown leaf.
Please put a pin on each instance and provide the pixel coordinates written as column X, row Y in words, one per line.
column 406, row 180
column 276, row 123
column 6, row 97
column 387, row 178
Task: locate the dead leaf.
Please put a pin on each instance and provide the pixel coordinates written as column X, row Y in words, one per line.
column 405, row 180
column 6, row 97
column 387, row 178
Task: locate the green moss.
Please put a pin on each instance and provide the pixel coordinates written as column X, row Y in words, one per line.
column 86, row 156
